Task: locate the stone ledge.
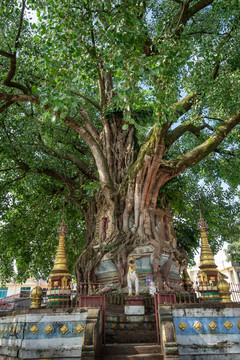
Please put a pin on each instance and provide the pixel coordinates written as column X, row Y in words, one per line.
column 212, row 305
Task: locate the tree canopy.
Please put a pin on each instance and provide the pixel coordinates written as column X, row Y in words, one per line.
column 94, row 92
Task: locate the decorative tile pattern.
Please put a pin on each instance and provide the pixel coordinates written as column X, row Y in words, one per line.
column 197, row 325
column 14, row 329
column 122, row 326
column 113, row 326
column 215, row 325
column 228, row 325
column 34, row 329
column 212, row 325
column 131, row 326
column 10, row 329
column 48, row 329
column 182, row 325
column 19, row 329
column 6, row 329
column 79, row 328
column 64, row 329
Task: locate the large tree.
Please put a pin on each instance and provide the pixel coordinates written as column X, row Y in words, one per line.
column 114, row 108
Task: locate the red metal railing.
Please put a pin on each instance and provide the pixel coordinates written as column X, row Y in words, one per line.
column 194, row 292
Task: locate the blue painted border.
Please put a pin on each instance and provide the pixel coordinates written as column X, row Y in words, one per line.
column 205, row 329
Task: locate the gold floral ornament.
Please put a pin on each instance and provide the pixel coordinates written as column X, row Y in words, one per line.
column 10, row 329
column 48, row 329
column 238, row 324
column 212, row 325
column 228, row 325
column 19, row 329
column 34, row 329
column 197, row 325
column 64, row 329
column 6, row 329
column 14, row 329
column 182, row 325
column 79, row 328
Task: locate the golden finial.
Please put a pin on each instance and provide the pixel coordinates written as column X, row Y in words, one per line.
column 60, row 277
column 36, row 297
column 224, row 289
column 206, row 256
column 60, row 262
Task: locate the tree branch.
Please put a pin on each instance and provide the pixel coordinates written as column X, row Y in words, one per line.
column 81, row 165
column 5, row 106
column 95, row 104
column 184, row 105
column 150, row 147
column 89, row 124
column 227, row 152
column 16, row 179
column 95, row 147
column 89, row 134
column 197, row 154
column 19, row 97
column 182, row 129
column 20, row 24
column 196, row 8
column 186, row 12
column 75, row 160
column 6, row 54
column 13, row 58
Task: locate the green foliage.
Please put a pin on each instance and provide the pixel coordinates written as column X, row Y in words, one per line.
column 30, row 216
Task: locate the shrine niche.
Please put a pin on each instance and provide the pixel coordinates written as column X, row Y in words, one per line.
column 108, row 273
column 104, row 225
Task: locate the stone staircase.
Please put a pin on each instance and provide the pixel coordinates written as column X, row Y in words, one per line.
column 132, row 352
column 130, row 337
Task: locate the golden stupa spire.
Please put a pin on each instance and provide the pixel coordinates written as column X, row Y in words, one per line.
column 60, row 278
column 60, row 262
column 206, row 256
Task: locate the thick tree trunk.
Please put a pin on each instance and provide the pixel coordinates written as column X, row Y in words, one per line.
column 134, row 221
column 131, row 218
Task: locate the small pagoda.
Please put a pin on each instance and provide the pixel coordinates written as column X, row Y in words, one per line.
column 59, row 281
column 208, row 274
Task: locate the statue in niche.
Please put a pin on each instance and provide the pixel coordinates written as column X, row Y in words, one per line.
column 132, row 278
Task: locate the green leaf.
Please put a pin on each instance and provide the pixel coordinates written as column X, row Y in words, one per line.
column 63, row 115
column 34, row 90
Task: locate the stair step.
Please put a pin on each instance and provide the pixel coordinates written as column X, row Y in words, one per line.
column 134, row 357
column 140, row 336
column 132, row 349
